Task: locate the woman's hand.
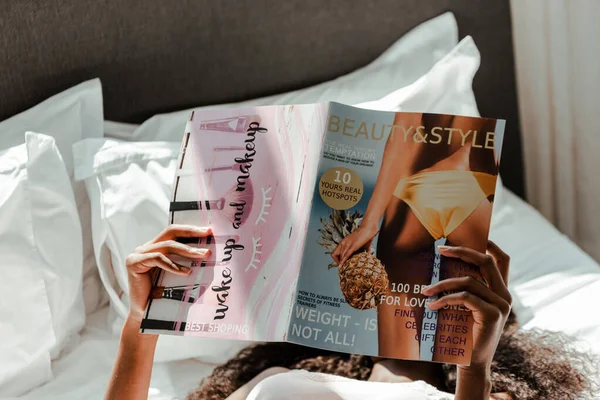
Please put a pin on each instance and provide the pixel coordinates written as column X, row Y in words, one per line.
column 143, row 263
column 489, row 304
column 361, row 238
column 130, row 379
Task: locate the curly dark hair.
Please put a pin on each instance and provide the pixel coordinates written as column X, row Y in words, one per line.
column 529, row 365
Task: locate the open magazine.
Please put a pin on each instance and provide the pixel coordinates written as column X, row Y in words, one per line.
column 326, row 223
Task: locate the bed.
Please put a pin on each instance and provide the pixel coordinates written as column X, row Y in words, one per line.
column 547, row 298
column 155, row 57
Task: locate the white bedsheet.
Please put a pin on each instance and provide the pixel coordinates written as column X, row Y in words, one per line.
column 83, row 373
column 553, row 280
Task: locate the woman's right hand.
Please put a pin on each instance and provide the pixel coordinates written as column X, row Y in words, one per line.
column 361, row 238
column 490, row 304
column 143, row 263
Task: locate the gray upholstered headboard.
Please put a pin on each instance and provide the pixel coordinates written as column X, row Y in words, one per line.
column 155, row 56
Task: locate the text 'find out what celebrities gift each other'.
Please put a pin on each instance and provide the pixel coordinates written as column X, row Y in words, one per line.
column 326, row 224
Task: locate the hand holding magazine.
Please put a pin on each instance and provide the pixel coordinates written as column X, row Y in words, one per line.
column 329, row 222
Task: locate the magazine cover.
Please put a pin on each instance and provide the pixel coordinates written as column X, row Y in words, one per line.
column 327, row 221
column 391, row 188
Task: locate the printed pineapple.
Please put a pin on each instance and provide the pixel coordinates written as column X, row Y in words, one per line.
column 362, row 277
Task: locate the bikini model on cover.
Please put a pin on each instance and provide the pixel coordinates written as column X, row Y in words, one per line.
column 427, row 198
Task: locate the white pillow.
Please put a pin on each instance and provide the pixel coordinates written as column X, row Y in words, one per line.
column 446, row 89
column 40, row 241
column 69, row 116
column 404, row 62
column 130, row 183
column 129, row 186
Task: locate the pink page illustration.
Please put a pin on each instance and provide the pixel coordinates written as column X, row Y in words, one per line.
column 248, row 174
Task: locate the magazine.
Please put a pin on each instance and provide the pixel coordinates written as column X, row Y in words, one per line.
column 326, row 221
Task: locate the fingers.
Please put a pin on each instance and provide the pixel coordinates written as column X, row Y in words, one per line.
column 342, row 252
column 469, row 301
column 347, row 252
column 486, row 264
column 174, row 247
column 159, row 260
column 502, row 260
column 173, row 232
column 470, row 285
column 337, row 253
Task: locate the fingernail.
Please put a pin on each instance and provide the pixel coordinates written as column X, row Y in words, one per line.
column 426, row 288
column 202, row 229
column 444, row 248
column 187, row 270
column 199, row 251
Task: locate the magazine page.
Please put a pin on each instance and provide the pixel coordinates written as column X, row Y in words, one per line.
column 391, row 188
column 248, row 174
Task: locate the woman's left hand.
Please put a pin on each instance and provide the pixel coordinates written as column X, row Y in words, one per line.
column 489, row 304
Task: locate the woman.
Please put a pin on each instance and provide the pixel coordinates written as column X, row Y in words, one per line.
column 435, row 187
column 506, row 364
